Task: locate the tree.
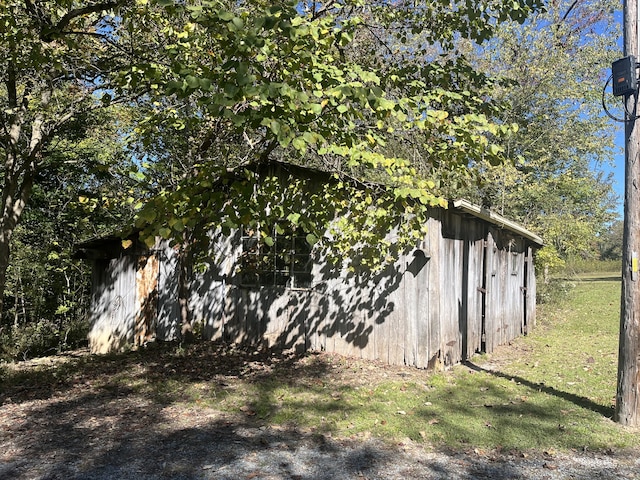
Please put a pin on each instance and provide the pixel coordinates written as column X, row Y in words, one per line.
column 58, row 64
column 610, row 242
column 269, row 79
column 76, row 194
column 552, row 90
column 290, row 80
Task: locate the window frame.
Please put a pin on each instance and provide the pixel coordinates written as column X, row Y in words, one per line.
column 287, row 262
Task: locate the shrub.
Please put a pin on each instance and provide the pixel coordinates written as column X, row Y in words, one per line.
column 553, row 291
column 42, row 338
column 578, row 265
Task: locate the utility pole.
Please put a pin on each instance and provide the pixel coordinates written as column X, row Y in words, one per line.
column 628, row 394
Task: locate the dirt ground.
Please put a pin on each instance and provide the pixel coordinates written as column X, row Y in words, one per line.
column 76, row 422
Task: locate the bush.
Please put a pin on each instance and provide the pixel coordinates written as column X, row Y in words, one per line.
column 575, row 266
column 553, row 291
column 35, row 340
column 42, row 338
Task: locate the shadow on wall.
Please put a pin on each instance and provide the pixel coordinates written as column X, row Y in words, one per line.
column 426, row 309
column 342, row 311
column 111, row 314
column 125, row 303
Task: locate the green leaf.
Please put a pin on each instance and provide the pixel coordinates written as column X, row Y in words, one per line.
column 299, row 144
column 225, row 16
column 149, row 241
column 294, row 218
column 192, row 81
column 316, row 108
column 62, row 309
column 311, row 239
column 239, row 24
column 275, row 126
column 148, row 215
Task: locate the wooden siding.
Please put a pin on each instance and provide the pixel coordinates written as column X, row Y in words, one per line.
column 530, row 292
column 468, row 287
column 113, row 304
column 146, row 306
column 505, row 288
column 429, row 309
column 168, row 314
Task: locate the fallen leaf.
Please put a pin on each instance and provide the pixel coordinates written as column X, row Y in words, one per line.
column 247, row 411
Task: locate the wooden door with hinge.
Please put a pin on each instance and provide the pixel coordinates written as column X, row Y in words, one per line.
column 146, row 299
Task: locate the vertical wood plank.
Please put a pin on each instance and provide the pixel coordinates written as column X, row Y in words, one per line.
column 435, row 290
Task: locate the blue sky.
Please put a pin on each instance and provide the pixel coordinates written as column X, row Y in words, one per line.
column 618, row 167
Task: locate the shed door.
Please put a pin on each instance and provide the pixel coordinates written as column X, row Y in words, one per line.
column 146, row 299
column 113, row 304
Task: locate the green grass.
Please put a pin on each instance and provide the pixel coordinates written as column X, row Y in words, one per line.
column 551, row 390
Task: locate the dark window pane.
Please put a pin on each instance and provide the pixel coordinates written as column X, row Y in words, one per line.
column 302, row 280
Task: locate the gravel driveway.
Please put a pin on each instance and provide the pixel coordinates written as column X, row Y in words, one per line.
column 57, row 425
column 116, row 438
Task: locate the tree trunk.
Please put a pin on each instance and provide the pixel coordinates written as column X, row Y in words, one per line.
column 11, row 214
column 4, row 265
column 20, row 165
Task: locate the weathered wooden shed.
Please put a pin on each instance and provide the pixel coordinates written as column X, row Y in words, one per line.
column 467, row 287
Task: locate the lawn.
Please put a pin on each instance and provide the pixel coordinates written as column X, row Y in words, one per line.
column 550, row 391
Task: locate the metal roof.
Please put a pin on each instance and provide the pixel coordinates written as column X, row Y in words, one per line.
column 496, row 219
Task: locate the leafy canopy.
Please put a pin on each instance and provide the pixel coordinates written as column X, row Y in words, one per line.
column 321, row 85
column 552, row 90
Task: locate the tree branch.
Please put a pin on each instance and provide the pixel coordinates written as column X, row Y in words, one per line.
column 50, row 30
column 571, row 7
column 79, row 12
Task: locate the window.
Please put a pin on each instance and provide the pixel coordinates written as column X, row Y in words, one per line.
column 515, row 256
column 515, row 263
column 286, row 262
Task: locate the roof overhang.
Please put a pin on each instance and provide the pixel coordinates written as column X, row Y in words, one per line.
column 496, row 219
